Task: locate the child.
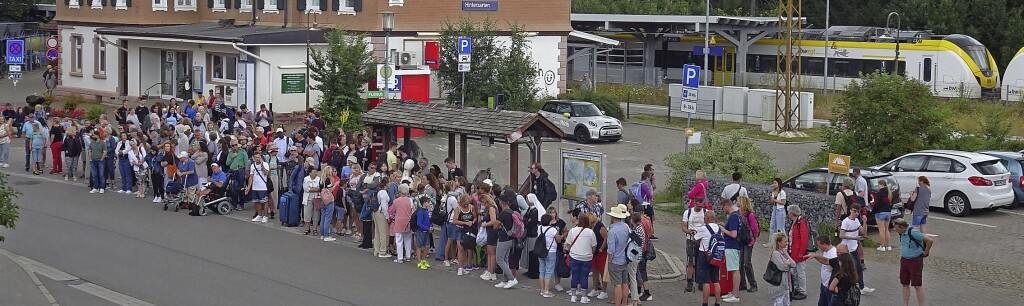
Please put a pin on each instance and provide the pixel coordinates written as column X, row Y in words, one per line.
column 422, row 232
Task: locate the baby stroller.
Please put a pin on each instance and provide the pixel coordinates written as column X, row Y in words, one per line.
column 176, row 195
column 217, row 200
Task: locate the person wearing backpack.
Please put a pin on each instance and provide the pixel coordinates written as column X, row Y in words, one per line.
column 843, row 283
column 645, row 195
column 541, row 185
column 549, row 235
column 751, row 230
column 914, row 247
column 618, row 243
column 732, row 233
column 693, row 221
column 706, row 274
column 506, row 242
column 733, row 191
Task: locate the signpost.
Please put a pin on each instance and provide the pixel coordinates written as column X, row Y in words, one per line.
column 691, row 81
column 465, row 48
column 15, row 52
column 838, row 164
column 51, row 48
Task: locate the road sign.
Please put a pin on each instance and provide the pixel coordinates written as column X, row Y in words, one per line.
column 375, row 94
column 14, row 75
column 839, row 164
column 465, row 45
column 395, row 86
column 464, row 58
column 691, row 76
column 464, row 67
column 52, row 54
column 52, row 42
column 14, row 68
column 15, row 51
column 385, row 74
column 688, row 107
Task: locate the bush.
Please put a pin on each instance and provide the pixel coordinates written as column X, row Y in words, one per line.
column 721, row 155
column 603, row 102
column 95, row 112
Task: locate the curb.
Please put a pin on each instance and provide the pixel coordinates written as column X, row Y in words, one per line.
column 672, row 263
column 744, row 137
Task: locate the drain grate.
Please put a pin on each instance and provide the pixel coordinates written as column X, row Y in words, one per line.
column 26, row 183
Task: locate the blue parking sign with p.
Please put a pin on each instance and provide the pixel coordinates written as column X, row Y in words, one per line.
column 465, row 45
column 15, row 52
column 691, row 76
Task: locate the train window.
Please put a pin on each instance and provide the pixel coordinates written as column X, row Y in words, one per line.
column 927, row 70
column 768, row 63
column 814, row 66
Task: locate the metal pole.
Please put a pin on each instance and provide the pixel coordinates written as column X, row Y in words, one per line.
column 463, row 89
column 629, row 100
column 828, row 7
column 669, row 110
column 714, row 110
column 387, row 65
column 307, row 62
column 707, row 38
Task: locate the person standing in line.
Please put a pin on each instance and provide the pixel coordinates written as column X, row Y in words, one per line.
column 780, row 294
column 400, row 213
column 778, row 201
column 505, row 241
column 39, row 134
column 827, row 261
column 618, row 237
column 732, row 248
column 693, row 221
column 707, row 275
column 921, row 196
column 256, row 187
column 646, row 198
column 74, row 147
column 747, row 279
column 124, row 166
column 883, row 213
column 699, row 190
column 581, row 251
column 541, row 185
column 311, row 190
column 551, row 235
column 380, row 220
column 798, row 237
column 28, row 130
column 914, row 247
column 850, row 232
column 5, row 142
column 56, row 145
column 137, row 161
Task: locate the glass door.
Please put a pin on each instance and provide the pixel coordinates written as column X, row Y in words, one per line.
column 176, row 67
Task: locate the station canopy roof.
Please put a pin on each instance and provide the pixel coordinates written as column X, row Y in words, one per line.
column 485, row 122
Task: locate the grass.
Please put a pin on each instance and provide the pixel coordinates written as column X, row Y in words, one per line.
column 748, row 130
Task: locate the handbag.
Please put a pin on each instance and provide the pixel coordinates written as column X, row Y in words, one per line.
column 772, row 274
column 481, row 236
column 469, row 240
column 327, row 195
column 650, row 254
column 910, row 203
column 562, row 266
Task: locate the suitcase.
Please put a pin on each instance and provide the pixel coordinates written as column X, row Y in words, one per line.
column 288, row 207
column 724, row 282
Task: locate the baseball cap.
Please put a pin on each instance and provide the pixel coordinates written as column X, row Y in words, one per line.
column 280, row 130
column 214, row 165
column 182, row 154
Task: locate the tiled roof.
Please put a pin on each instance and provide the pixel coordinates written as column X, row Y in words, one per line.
column 464, row 120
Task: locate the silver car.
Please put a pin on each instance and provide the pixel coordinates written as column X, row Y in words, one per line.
column 583, row 120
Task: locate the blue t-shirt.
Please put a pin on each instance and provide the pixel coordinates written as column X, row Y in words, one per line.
column 618, row 237
column 911, row 249
column 39, row 138
column 190, row 179
column 733, row 224
column 219, row 177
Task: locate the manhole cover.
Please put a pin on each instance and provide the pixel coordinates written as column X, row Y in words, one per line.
column 25, row 183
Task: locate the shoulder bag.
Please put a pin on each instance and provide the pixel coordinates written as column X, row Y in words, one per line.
column 772, row 274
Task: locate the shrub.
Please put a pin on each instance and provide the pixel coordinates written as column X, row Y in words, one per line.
column 95, row 112
column 721, row 155
column 603, row 102
column 69, row 106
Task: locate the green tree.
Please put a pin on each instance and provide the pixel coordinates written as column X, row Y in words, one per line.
column 16, row 10
column 8, row 209
column 497, row 67
column 720, row 155
column 342, row 70
column 883, row 116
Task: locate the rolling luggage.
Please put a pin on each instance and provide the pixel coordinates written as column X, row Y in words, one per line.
column 725, row 281
column 289, row 208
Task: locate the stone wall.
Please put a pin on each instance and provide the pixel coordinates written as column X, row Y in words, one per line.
column 817, row 207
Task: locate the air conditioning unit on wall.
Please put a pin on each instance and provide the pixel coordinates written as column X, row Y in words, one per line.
column 410, row 59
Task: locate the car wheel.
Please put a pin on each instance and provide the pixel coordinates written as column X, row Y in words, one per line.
column 582, row 135
column 957, row 204
column 1014, row 204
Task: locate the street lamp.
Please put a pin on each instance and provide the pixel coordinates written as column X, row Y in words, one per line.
column 896, row 61
column 312, row 28
column 387, row 23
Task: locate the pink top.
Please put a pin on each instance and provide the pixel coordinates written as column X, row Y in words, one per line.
column 401, row 212
column 755, row 230
column 698, row 190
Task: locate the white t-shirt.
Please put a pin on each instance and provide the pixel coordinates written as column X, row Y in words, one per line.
column 307, row 184
column 731, row 189
column 383, row 198
column 695, row 220
column 583, row 249
column 259, row 175
column 851, row 228
column 549, row 236
column 705, row 236
column 452, row 205
column 826, row 269
column 781, row 196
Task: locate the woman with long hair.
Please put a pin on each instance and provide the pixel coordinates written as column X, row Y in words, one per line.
column 331, row 182
column 464, row 218
column 778, row 205
column 780, row 257
column 883, row 215
column 487, row 220
column 137, row 159
column 747, row 278
column 844, row 280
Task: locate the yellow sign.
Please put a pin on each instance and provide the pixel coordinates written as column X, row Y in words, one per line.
column 689, row 132
column 838, row 164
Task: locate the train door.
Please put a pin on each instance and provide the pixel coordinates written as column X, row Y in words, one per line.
column 725, row 68
column 926, row 73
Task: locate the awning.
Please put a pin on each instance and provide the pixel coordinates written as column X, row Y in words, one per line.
column 594, row 38
column 246, row 35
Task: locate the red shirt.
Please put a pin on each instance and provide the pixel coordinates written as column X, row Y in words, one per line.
column 798, row 241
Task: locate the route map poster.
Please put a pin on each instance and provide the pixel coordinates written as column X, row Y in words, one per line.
column 581, row 172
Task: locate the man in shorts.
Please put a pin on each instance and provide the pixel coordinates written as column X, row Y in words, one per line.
column 618, row 238
column 707, row 275
column 187, row 170
column 732, row 250
column 693, row 220
column 257, row 187
column 915, row 246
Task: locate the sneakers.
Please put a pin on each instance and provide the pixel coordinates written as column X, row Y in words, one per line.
column 730, row 298
column 449, row 264
column 265, row 220
column 328, row 239
column 348, row 232
column 500, row 285
column 511, row 283
column 101, row 191
column 383, row 256
column 572, row 298
column 584, row 300
column 93, row 190
column 881, row 248
column 654, row 238
column 888, row 248
column 558, row 287
column 487, row 276
column 398, row 261
column 423, row 265
column 646, row 296
column 593, row 293
column 547, row 294
column 867, row 290
column 603, row 295
column 257, row 219
column 461, row 272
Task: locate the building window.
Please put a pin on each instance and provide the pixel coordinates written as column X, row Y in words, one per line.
column 246, row 6
column 222, row 67
column 396, row 2
column 73, row 4
column 218, row 6
column 348, row 7
column 185, row 5
column 270, row 6
column 76, row 54
column 313, row 6
column 96, row 4
column 121, row 5
column 160, row 5
column 100, row 59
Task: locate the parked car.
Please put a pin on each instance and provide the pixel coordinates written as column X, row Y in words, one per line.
column 583, row 120
column 960, row 181
column 813, row 180
column 1014, row 162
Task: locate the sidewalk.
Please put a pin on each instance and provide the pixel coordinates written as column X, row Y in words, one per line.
column 19, row 288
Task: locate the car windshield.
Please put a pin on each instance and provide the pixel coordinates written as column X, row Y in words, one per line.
column 990, row 167
column 585, row 110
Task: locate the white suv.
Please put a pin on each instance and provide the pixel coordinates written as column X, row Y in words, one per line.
column 960, row 181
column 583, row 120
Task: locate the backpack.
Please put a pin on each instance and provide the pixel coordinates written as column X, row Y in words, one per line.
column 517, row 225
column 812, row 246
column 635, row 191
column 337, row 159
column 734, row 196
column 540, row 246
column 437, row 217
column 550, row 193
column 414, row 218
column 372, row 201
column 852, row 296
column 744, row 235
column 716, row 247
column 634, row 248
column 919, row 244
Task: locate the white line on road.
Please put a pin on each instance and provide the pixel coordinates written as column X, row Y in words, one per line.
column 633, row 142
column 577, row 144
column 964, row 222
column 87, row 287
column 931, row 235
column 1010, row 212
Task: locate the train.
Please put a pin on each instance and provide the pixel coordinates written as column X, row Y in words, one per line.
column 1012, row 88
column 952, row 65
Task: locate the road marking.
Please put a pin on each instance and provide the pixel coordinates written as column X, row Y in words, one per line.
column 964, row 222
column 931, row 235
column 578, row 144
column 1010, row 212
column 35, row 267
column 633, row 142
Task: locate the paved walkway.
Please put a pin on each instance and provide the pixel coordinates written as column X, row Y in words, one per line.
column 19, row 286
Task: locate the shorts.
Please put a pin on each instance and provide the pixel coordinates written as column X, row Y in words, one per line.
column 142, row 177
column 37, row 155
column 259, row 196
column 422, row 239
column 309, row 214
column 920, row 220
column 732, row 260
column 597, row 264
column 452, row 231
column 883, row 216
column 617, row 274
column 911, row 271
column 339, row 213
column 704, row 272
column 492, row 238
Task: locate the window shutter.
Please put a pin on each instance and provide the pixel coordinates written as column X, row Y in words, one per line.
column 357, row 5
column 300, row 5
column 323, row 5
column 102, row 3
column 128, row 3
column 238, row 3
column 260, row 4
column 113, row 3
column 209, row 3
column 227, row 4
column 67, row 2
column 280, row 4
column 336, row 4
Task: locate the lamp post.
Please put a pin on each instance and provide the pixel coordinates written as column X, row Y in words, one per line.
column 707, row 40
column 895, row 61
column 387, row 23
column 312, row 28
column 828, row 7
